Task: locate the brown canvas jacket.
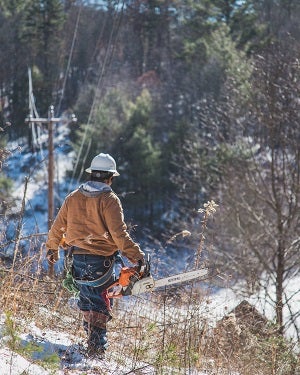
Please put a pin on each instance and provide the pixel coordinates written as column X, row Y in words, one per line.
column 93, row 220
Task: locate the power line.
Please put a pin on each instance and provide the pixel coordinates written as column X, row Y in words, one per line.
column 70, row 57
column 107, row 60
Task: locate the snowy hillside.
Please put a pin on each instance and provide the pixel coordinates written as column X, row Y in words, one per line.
column 46, row 346
column 51, row 350
column 23, row 163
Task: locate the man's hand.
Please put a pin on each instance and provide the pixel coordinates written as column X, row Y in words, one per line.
column 52, row 256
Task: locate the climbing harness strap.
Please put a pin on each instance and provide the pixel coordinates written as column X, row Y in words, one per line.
column 70, row 281
column 102, row 280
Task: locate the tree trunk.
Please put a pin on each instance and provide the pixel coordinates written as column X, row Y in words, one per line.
column 279, row 289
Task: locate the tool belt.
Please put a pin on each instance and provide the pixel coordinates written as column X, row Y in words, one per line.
column 97, row 282
column 115, row 258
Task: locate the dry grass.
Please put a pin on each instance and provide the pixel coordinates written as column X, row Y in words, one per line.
column 167, row 332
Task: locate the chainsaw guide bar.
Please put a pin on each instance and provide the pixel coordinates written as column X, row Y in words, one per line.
column 133, row 282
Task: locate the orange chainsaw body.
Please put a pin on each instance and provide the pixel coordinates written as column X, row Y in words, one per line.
column 132, row 280
column 126, row 274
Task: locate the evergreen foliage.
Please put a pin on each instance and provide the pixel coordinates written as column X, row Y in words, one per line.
column 43, row 21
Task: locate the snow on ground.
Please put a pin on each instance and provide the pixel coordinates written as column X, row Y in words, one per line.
column 44, row 348
column 48, row 348
column 14, row 364
column 264, row 305
column 23, row 163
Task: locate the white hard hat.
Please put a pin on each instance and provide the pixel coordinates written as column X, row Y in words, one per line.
column 103, row 162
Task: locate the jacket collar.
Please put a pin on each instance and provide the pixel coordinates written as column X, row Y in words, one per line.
column 94, row 186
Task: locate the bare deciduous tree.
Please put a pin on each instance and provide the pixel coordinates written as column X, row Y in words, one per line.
column 261, row 195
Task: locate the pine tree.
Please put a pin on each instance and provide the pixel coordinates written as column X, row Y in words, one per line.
column 42, row 27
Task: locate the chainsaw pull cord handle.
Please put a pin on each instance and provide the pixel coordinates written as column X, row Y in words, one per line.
column 139, row 266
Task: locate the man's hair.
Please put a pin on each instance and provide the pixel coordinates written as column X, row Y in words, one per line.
column 100, row 175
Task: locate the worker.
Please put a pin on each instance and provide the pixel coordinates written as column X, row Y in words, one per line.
column 91, row 223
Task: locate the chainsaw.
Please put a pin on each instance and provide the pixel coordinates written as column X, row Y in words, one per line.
column 138, row 279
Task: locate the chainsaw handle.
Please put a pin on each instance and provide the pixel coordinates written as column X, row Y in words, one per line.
column 144, row 266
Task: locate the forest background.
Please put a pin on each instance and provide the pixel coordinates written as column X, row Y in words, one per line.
column 196, row 100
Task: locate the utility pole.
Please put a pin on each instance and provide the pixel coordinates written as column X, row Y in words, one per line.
column 50, row 121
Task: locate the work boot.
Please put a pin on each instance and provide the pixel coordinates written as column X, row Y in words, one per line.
column 97, row 342
column 95, row 326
